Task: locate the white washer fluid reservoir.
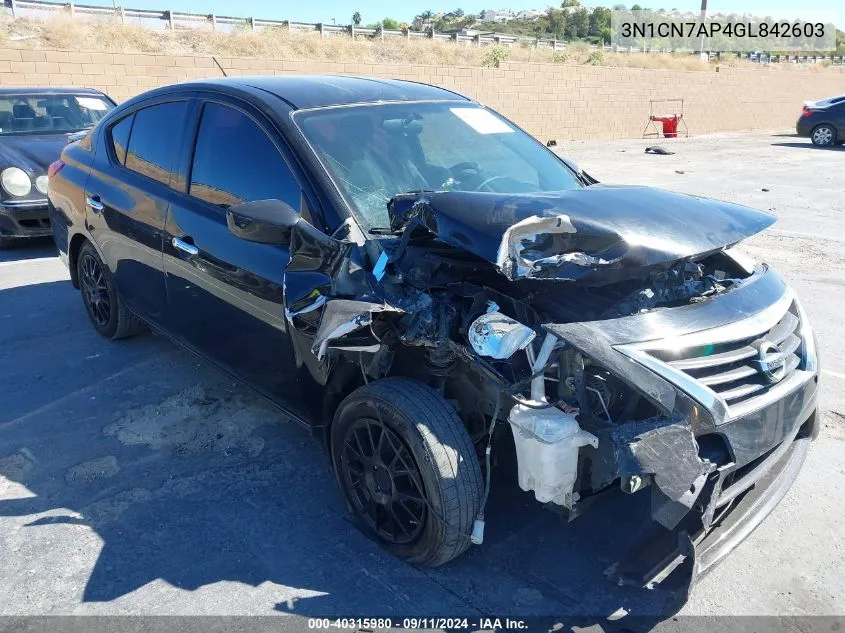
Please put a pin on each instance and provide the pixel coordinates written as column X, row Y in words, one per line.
column 547, row 444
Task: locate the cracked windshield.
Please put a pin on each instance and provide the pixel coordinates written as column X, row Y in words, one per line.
column 376, row 152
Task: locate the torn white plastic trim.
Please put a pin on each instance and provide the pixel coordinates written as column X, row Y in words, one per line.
column 509, row 259
column 513, row 265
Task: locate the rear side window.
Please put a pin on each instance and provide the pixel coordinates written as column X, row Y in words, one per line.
column 120, row 137
column 235, row 161
column 154, row 141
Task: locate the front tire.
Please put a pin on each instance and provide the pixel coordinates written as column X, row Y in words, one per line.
column 823, row 136
column 407, row 469
column 106, row 310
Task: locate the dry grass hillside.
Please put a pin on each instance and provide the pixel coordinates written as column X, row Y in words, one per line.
column 79, row 34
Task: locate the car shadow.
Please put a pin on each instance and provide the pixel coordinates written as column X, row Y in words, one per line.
column 191, row 480
column 809, row 145
column 31, row 248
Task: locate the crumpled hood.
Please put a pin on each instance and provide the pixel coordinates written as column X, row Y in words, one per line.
column 598, row 233
column 31, row 152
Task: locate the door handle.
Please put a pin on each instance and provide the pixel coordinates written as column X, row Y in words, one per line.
column 185, row 247
column 94, row 203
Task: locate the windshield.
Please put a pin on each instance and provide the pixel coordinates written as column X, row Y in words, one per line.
column 374, row 152
column 50, row 113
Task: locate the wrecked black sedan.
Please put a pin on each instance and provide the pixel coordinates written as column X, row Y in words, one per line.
column 414, row 278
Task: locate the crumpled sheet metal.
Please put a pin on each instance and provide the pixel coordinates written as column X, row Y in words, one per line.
column 344, row 316
column 594, row 235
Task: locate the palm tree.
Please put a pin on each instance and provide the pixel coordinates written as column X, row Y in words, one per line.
column 356, row 18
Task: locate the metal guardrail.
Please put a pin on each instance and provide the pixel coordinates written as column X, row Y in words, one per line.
column 177, row 19
column 763, row 58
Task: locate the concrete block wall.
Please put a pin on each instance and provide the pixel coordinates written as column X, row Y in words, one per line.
column 550, row 101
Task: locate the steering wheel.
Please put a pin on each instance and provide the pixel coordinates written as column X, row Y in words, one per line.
column 486, row 182
column 465, row 166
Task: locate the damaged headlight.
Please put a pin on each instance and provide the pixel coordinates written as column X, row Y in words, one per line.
column 496, row 335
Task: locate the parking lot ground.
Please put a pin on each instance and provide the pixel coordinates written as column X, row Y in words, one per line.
column 136, row 479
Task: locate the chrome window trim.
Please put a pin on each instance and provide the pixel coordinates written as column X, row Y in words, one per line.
column 751, row 326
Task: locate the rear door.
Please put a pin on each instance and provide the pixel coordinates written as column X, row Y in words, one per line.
column 127, row 197
column 226, row 297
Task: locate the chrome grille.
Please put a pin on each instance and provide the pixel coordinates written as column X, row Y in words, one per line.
column 732, row 369
column 722, row 368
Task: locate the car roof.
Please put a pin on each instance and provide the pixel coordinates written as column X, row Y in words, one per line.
column 6, row 91
column 315, row 91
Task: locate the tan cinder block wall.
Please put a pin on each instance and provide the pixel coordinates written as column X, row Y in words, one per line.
column 550, row 101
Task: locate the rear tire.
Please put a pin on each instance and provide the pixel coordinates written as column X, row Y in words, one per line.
column 106, row 310
column 823, row 136
column 407, row 469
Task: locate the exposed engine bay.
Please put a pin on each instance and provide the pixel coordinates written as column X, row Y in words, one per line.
column 486, row 297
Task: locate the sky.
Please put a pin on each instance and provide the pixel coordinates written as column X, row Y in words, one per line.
column 405, row 10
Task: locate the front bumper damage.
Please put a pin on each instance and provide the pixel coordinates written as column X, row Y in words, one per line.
column 715, row 471
column 730, row 506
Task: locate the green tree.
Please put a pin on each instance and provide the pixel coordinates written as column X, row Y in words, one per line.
column 599, row 20
column 356, row 18
column 390, row 24
column 570, row 3
column 557, row 23
column 636, row 7
column 580, row 19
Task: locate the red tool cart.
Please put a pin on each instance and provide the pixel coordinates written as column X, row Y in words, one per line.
column 669, row 122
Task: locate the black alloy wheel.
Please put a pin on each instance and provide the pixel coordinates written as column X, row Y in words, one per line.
column 108, row 314
column 407, row 469
column 95, row 290
column 384, row 482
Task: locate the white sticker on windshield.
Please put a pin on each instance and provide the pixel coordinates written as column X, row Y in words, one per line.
column 481, row 120
column 92, row 103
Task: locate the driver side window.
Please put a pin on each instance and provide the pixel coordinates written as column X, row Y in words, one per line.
column 235, row 161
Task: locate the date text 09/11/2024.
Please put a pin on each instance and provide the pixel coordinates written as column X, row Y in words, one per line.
column 375, row 624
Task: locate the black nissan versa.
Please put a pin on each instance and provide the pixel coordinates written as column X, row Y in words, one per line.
column 417, row 280
column 34, row 126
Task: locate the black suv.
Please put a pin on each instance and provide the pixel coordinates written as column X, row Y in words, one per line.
column 422, row 283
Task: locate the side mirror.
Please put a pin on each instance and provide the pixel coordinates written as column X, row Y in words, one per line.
column 262, row 221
